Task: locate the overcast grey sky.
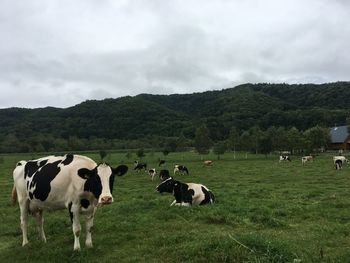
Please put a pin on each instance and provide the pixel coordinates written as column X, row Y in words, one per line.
column 62, row 52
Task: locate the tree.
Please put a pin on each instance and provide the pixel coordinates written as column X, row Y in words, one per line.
column 170, row 146
column 128, row 155
column 202, row 142
column 219, row 149
column 103, row 154
column 255, row 134
column 233, row 140
column 245, row 141
column 294, row 140
column 265, row 144
column 317, row 137
column 140, row 153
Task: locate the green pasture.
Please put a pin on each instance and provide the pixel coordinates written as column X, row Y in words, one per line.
column 266, row 211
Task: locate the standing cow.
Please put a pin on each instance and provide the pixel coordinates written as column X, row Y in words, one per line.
column 181, row 169
column 73, row 182
column 339, row 161
column 308, row 158
column 140, row 166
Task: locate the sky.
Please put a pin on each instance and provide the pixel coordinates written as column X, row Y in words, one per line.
column 61, row 52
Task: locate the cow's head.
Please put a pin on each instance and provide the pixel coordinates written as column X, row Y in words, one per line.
column 166, row 186
column 100, row 181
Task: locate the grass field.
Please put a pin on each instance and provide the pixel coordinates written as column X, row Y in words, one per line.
column 266, row 211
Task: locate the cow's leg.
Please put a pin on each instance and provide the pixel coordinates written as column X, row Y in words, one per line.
column 76, row 226
column 24, row 207
column 40, row 225
column 173, row 203
column 89, row 225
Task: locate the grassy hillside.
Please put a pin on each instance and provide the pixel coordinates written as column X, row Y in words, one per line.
column 265, row 212
column 150, row 117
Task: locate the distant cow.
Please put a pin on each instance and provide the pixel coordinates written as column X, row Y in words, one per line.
column 161, row 162
column 284, row 158
column 71, row 181
column 339, row 161
column 308, row 158
column 181, row 169
column 152, row 173
column 140, row 166
column 163, row 175
column 338, row 164
column 186, row 194
column 208, row 163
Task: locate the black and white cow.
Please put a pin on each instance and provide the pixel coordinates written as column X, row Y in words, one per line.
column 338, row 164
column 73, row 182
column 284, row 158
column 339, row 161
column 181, row 169
column 186, row 193
column 163, row 175
column 161, row 162
column 140, row 166
column 152, row 172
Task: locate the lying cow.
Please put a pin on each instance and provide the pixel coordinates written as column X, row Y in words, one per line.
column 140, row 166
column 152, row 172
column 181, row 169
column 163, row 175
column 208, row 163
column 339, row 161
column 71, row 181
column 308, row 158
column 284, row 158
column 186, row 194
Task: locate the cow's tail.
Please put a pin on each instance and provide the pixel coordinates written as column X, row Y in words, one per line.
column 14, row 195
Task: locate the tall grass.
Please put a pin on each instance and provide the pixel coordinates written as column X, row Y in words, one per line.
column 266, row 211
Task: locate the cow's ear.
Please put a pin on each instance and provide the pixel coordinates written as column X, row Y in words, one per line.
column 86, row 173
column 120, row 170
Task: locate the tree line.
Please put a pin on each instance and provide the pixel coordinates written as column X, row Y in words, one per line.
column 253, row 111
column 254, row 140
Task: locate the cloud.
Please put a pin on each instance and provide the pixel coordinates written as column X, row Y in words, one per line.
column 59, row 53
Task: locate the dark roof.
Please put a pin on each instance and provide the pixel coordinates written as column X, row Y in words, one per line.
column 339, row 134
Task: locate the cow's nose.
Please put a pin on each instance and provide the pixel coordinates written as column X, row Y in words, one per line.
column 106, row 200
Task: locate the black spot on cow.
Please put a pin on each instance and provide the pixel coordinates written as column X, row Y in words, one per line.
column 42, row 180
column 208, row 196
column 182, row 193
column 43, row 162
column 93, row 182
column 27, row 185
column 85, row 203
column 30, row 168
column 30, row 195
column 68, row 160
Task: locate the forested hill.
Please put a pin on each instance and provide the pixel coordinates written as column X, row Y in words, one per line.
column 149, row 116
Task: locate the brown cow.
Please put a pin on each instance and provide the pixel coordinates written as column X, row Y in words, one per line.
column 208, row 163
